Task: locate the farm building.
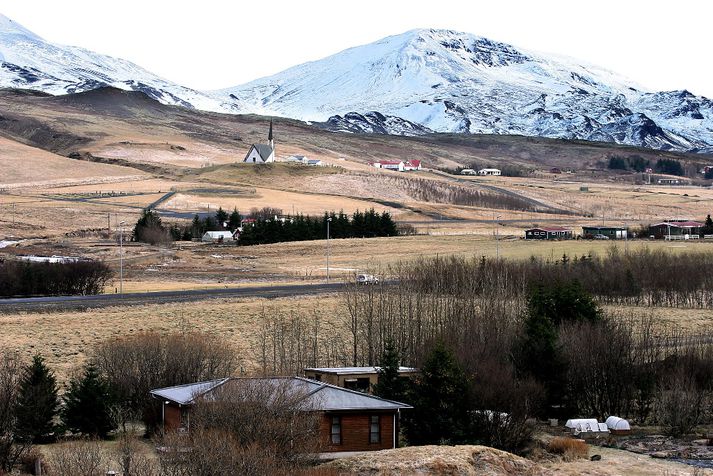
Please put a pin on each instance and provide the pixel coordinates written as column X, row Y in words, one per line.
column 549, row 233
column 349, row 420
column 489, row 172
column 262, row 153
column 400, row 165
column 217, row 236
column 353, row 378
column 611, row 232
column 676, row 229
column 468, row 172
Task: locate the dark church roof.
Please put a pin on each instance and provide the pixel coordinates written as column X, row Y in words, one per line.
column 264, row 150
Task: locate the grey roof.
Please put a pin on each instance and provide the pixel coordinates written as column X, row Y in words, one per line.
column 264, row 150
column 186, row 394
column 318, row 396
column 354, row 370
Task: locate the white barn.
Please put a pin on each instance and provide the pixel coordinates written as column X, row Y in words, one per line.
column 262, row 153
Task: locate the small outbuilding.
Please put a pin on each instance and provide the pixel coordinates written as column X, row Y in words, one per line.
column 611, row 232
column 354, row 378
column 548, row 233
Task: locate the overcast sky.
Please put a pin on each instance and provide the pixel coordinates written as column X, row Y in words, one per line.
column 215, row 44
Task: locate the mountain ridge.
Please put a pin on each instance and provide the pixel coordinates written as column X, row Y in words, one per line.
column 417, row 82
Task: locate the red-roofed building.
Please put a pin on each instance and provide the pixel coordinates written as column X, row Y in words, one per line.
column 548, row 233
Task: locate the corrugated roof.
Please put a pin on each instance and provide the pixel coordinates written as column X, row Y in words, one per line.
column 354, row 370
column 680, row 224
column 185, row 394
column 550, row 229
column 318, row 396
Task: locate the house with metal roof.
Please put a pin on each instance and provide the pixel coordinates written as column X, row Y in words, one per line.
column 548, row 233
column 362, row 379
column 262, row 153
column 676, row 229
column 349, row 420
column 610, row 232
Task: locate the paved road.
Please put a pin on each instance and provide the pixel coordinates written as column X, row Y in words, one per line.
column 161, row 297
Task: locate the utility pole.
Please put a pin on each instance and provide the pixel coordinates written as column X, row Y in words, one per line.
column 121, row 257
column 497, row 238
column 329, row 219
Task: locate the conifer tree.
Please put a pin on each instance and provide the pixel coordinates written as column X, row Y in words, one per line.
column 440, row 400
column 89, row 404
column 37, row 403
column 390, row 384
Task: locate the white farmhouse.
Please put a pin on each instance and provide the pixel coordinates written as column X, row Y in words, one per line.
column 489, row 172
column 262, row 153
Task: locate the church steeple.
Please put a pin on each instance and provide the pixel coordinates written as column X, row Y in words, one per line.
column 269, row 137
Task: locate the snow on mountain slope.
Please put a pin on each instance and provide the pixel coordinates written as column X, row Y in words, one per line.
column 457, row 82
column 29, row 62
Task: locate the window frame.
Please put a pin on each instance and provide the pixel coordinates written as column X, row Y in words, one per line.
column 335, row 421
column 371, row 429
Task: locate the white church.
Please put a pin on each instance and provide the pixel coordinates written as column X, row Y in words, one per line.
column 262, row 153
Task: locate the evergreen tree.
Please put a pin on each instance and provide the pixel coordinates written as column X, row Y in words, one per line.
column 89, row 404
column 234, row 220
column 390, row 385
column 221, row 217
column 149, row 228
column 708, row 226
column 37, row 403
column 440, row 400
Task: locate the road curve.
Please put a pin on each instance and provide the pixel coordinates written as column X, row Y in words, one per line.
column 55, row 303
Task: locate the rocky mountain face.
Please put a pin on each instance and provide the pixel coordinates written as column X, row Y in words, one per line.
column 29, row 62
column 415, row 83
column 448, row 81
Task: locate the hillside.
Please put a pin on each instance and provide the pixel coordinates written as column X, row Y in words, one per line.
column 457, row 82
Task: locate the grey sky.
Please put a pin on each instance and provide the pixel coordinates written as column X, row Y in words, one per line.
column 215, row 44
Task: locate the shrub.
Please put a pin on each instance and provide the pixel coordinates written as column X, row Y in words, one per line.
column 569, row 448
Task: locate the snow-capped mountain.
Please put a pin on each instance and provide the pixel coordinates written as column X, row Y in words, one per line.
column 457, row 82
column 409, row 84
column 373, row 122
column 29, row 62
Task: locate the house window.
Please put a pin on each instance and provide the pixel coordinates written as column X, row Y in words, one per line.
column 374, row 429
column 336, row 432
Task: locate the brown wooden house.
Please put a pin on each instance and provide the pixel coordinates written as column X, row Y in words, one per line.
column 349, row 421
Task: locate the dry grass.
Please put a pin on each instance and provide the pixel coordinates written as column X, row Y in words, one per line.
column 23, row 166
column 66, row 339
column 569, row 448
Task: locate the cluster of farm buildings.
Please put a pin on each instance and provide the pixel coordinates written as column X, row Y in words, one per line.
column 667, row 230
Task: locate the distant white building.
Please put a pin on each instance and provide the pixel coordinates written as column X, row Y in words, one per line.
column 468, row 172
column 400, row 165
column 262, row 153
column 217, row 236
column 489, row 172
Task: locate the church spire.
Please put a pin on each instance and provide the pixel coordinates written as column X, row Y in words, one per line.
column 269, row 137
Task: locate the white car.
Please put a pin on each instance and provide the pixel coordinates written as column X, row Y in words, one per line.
column 367, row 279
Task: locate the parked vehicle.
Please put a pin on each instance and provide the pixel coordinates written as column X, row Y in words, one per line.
column 601, row 237
column 367, row 279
